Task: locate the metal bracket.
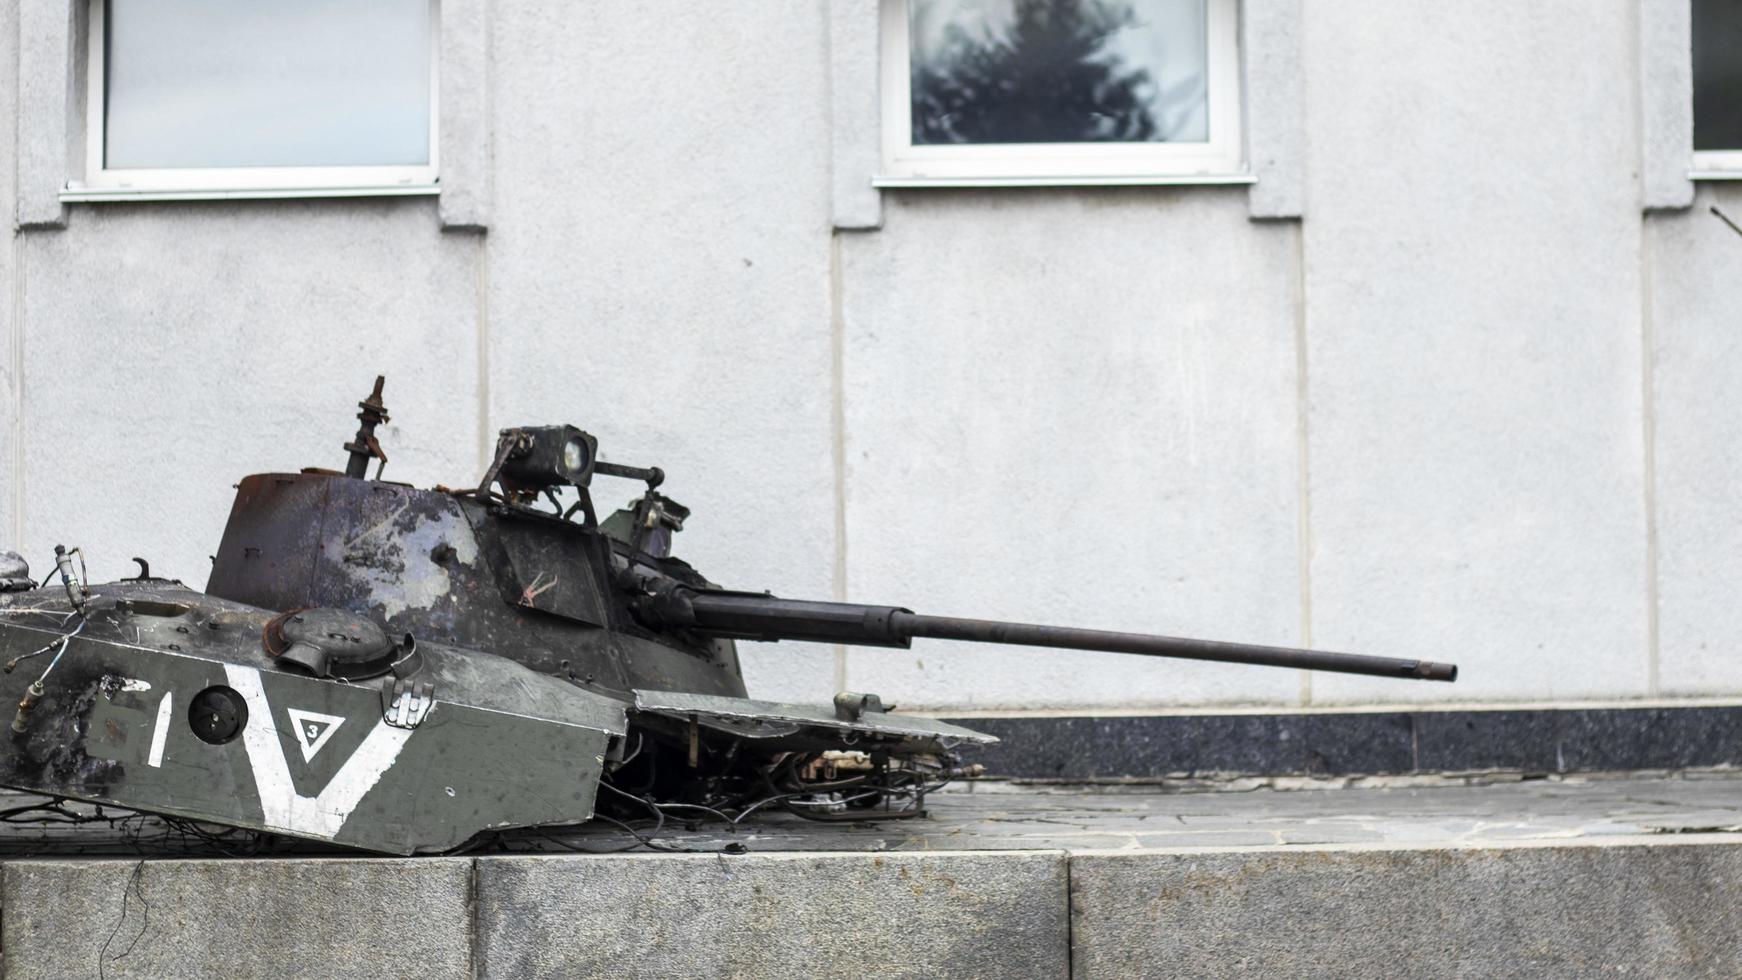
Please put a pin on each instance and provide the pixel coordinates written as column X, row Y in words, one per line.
column 850, row 706
column 406, row 703
column 15, row 573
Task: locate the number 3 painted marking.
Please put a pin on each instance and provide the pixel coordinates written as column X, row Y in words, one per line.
column 161, row 732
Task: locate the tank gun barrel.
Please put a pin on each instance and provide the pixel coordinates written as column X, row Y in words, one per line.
column 753, row 616
column 1144, row 644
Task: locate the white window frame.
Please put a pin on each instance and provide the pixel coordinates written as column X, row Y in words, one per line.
column 1716, row 165
column 1220, row 160
column 209, row 183
column 1706, row 164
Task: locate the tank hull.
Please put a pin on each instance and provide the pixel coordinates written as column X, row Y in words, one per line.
column 365, row 764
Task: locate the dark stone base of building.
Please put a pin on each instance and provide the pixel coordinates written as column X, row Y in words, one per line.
column 1360, row 743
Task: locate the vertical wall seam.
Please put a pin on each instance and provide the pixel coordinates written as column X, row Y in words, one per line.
column 1303, row 453
column 1647, row 367
column 486, row 440
column 15, row 365
column 474, row 955
column 481, row 328
column 1648, row 427
column 1069, row 860
column 838, row 438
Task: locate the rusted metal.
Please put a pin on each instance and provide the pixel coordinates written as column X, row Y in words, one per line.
column 364, row 446
column 21, row 720
column 403, row 669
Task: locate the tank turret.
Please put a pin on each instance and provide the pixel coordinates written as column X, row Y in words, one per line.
column 367, row 653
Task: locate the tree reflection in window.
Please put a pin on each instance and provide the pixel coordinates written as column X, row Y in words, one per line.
column 1057, row 71
column 1717, row 56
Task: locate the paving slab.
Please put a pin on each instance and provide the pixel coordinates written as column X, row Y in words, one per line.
column 960, row 915
column 1424, row 811
column 1001, row 816
column 1482, row 875
column 319, row 919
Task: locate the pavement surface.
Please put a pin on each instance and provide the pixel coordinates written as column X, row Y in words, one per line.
column 1474, row 811
column 1401, row 878
column 996, row 816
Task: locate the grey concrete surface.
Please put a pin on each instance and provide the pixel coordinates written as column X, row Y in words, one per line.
column 1696, row 333
column 1288, row 812
column 855, row 135
column 1431, row 811
column 200, row 313
column 1666, row 103
column 1412, row 423
column 1635, row 875
column 1663, row 911
column 1475, row 410
column 315, row 919
column 464, row 126
column 677, row 308
column 11, row 283
column 789, row 915
column 1124, row 284
column 1276, row 128
column 46, row 108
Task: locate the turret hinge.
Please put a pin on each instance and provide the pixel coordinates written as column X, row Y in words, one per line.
column 406, row 703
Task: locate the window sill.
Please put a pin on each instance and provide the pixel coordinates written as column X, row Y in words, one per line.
column 1715, row 175
column 93, row 195
column 1062, row 181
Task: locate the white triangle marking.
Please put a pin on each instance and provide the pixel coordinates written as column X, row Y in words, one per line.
column 282, row 808
column 312, row 730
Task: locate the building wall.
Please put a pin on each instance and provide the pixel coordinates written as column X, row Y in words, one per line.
column 1476, row 404
column 12, row 293
column 1473, row 345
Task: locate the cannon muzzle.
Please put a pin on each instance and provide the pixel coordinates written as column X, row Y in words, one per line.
column 754, row 616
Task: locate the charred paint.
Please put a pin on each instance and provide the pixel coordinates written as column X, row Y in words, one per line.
column 456, row 571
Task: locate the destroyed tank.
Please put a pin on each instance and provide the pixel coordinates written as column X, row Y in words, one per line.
column 410, row 670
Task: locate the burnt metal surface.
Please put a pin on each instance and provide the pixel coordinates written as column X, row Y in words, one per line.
column 334, row 643
column 379, row 666
column 459, row 571
column 14, row 572
column 167, row 701
column 804, row 723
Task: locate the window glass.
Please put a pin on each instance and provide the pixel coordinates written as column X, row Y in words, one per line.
column 1717, row 74
column 267, row 83
column 1058, row 71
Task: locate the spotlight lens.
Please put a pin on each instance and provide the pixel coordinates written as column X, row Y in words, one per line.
column 574, row 456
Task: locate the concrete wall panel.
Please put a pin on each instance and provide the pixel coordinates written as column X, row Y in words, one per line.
column 1666, row 103
column 10, row 282
column 173, row 348
column 1565, row 911
column 1696, row 323
column 1474, row 361
column 224, row 919
column 774, row 915
column 1073, row 407
column 47, row 87
column 658, row 273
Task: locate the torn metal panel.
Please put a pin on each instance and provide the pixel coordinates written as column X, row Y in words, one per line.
column 750, row 718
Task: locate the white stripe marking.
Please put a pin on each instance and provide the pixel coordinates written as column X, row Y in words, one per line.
column 160, row 733
column 281, row 807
